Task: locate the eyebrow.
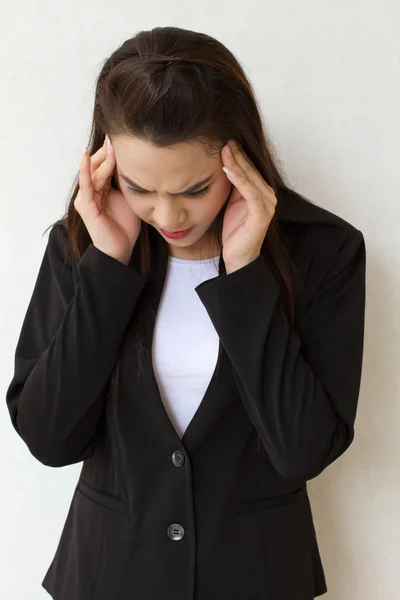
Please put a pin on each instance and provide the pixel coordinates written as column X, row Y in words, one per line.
column 193, row 188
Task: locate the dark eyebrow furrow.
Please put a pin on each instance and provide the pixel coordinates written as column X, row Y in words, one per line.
column 189, row 190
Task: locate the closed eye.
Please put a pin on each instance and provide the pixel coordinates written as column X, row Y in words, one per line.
column 198, row 194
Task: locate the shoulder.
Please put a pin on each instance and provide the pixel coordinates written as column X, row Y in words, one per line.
column 300, row 219
column 319, row 241
column 60, row 260
column 296, row 210
column 59, row 246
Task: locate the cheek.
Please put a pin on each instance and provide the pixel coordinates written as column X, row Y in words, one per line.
column 220, row 194
column 134, row 203
column 207, row 209
column 226, row 188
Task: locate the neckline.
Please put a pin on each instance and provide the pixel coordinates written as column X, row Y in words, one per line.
column 192, row 261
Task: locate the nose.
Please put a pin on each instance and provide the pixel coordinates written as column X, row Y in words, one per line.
column 168, row 216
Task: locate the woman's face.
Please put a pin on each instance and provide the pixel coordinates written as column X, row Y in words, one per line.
column 168, row 202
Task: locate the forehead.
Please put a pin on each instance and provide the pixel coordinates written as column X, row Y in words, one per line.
column 171, row 167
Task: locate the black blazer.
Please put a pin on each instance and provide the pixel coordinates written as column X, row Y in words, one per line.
column 205, row 517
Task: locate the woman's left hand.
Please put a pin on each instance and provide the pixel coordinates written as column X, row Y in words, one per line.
column 249, row 210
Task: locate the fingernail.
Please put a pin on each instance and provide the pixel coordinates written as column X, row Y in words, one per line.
column 229, row 172
column 228, row 150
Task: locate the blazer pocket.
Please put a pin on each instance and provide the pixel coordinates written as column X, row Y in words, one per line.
column 103, row 498
column 289, row 551
column 257, row 504
column 92, row 551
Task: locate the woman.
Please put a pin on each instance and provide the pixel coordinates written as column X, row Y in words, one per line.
column 203, row 377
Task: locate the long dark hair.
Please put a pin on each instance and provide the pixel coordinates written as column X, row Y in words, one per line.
column 170, row 85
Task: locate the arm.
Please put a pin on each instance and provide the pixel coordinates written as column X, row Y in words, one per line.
column 300, row 388
column 67, row 349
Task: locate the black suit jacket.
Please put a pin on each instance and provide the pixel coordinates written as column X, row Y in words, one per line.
column 205, row 517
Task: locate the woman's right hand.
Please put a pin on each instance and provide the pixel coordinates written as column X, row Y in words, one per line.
column 113, row 227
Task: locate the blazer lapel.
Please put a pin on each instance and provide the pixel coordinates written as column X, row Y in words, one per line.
column 221, row 388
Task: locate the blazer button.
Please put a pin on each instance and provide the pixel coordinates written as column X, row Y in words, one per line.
column 176, row 531
column 178, row 458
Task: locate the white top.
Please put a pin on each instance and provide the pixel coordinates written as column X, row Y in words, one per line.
column 185, row 342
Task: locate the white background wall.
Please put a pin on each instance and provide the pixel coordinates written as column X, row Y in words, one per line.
column 327, row 76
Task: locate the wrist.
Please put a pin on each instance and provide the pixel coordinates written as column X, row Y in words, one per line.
column 122, row 258
column 239, row 264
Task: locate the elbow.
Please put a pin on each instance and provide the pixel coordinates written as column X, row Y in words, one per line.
column 37, row 443
column 51, row 456
column 307, row 463
column 295, row 467
column 295, row 470
column 47, row 457
column 52, row 453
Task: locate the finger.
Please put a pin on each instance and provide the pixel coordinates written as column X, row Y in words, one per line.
column 245, row 188
column 248, row 166
column 234, row 156
column 85, row 202
column 98, row 157
column 238, row 157
column 104, row 171
column 257, row 202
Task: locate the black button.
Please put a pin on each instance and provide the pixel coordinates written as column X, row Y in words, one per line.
column 178, row 458
column 176, row 532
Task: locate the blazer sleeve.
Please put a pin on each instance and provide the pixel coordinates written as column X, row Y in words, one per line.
column 300, row 388
column 66, row 350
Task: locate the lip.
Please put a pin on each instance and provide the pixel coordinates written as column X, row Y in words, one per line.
column 176, row 234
